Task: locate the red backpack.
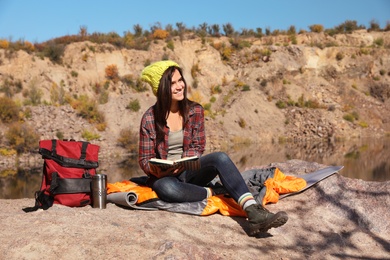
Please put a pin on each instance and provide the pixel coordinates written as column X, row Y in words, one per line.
column 67, row 173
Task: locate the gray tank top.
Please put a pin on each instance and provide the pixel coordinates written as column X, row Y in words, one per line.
column 175, row 145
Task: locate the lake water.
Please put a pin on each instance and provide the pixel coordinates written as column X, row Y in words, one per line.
column 366, row 159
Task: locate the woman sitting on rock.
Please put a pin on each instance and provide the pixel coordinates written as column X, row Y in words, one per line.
column 174, row 128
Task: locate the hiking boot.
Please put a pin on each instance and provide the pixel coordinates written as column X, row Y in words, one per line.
column 260, row 219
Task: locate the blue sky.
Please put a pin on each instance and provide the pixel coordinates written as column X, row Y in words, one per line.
column 42, row 20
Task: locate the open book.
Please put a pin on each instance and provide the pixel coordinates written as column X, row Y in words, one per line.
column 189, row 163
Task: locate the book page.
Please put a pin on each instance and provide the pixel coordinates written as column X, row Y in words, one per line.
column 189, row 163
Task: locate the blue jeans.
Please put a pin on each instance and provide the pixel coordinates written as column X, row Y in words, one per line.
column 189, row 186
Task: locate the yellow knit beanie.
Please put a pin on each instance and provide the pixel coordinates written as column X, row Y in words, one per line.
column 152, row 74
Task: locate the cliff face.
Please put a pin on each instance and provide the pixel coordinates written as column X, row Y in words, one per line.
column 271, row 90
column 251, row 93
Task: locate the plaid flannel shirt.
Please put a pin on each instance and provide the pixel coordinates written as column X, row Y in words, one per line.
column 194, row 137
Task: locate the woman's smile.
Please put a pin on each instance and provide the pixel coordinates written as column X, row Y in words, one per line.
column 177, row 86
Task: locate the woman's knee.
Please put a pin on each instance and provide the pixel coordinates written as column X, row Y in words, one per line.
column 166, row 188
column 218, row 160
column 222, row 157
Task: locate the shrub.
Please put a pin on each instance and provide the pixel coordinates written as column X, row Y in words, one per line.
column 4, row 44
column 84, row 57
column 227, row 53
column 301, row 101
column 195, row 70
column 215, row 90
column 347, row 27
column 28, row 47
column 281, row 104
column 374, row 26
column 290, row 102
column 128, row 80
column 10, row 86
column 60, row 135
column 195, row 83
column 7, row 152
column 239, row 44
column 241, row 122
column 317, row 28
column 54, row 52
column 57, row 94
column 139, row 86
column 379, row 42
column 364, row 51
column 332, row 108
column 207, row 107
column 160, row 34
column 228, row 29
column 387, row 26
column 349, row 118
column 89, row 136
column 112, row 73
column 312, row 104
column 363, row 124
column 339, row 56
column 26, row 113
column 217, row 45
column 355, row 115
column 33, row 95
column 246, row 88
column 170, row 45
column 226, row 98
column 266, row 52
column 9, row 111
column 293, row 39
column 103, row 97
column 134, row 105
column 259, row 32
column 224, row 81
column 128, row 140
column 22, row 138
column 74, row 74
column 238, row 84
column 101, row 126
column 263, row 83
column 8, row 172
column 88, row 109
column 380, row 91
column 355, row 155
column 165, row 56
column 291, row 30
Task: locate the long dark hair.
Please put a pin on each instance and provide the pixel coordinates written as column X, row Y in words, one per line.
column 164, row 101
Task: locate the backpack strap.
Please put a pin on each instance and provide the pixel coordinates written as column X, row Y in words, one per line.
column 84, row 147
column 69, row 162
column 70, row 185
column 42, row 201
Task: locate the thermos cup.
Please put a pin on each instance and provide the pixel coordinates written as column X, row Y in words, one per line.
column 99, row 191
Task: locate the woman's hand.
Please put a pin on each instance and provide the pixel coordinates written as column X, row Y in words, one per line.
column 159, row 173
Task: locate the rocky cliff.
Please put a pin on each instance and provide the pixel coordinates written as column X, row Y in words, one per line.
column 321, row 87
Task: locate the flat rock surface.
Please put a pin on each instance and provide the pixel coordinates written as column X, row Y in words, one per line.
column 337, row 218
